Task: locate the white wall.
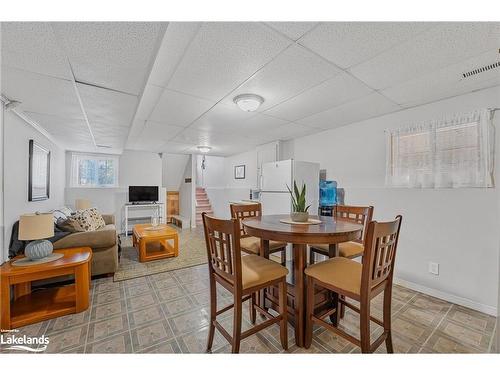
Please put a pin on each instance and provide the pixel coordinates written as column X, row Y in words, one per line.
column 17, row 134
column 186, row 190
column 135, row 168
column 249, row 159
column 213, row 175
column 173, row 166
column 458, row 228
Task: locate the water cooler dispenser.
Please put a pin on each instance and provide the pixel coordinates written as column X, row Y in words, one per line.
column 327, row 197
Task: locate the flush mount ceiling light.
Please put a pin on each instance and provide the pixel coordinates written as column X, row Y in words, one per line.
column 204, row 149
column 248, row 102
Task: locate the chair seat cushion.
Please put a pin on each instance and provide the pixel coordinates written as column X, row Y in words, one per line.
column 252, row 245
column 257, row 270
column 339, row 272
column 349, row 249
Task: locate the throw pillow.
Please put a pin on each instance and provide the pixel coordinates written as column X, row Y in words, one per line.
column 69, row 225
column 59, row 215
column 82, row 221
column 97, row 218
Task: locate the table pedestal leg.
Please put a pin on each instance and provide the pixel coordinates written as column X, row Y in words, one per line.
column 82, row 287
column 299, row 265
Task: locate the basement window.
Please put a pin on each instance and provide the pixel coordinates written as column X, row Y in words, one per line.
column 451, row 153
column 94, row 170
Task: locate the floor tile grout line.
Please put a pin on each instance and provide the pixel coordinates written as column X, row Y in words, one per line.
column 127, row 312
column 163, row 312
column 437, row 326
column 90, row 316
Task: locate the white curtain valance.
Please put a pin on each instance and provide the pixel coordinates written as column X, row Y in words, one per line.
column 450, row 153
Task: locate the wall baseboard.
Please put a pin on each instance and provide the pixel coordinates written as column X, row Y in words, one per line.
column 487, row 309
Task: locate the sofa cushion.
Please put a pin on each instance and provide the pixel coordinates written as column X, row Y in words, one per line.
column 102, row 238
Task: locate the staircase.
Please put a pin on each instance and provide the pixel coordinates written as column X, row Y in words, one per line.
column 202, row 205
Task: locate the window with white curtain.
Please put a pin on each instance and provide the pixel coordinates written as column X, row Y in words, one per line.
column 94, row 170
column 451, row 153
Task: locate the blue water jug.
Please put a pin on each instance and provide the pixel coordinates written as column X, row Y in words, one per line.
column 327, row 193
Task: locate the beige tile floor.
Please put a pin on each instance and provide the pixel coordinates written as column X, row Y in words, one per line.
column 168, row 313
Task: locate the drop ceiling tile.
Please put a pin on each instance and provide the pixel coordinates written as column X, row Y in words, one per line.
column 446, row 82
column 175, row 43
column 372, row 105
column 337, row 90
column 178, row 109
column 258, row 124
column 223, row 55
column 148, row 101
column 222, row 118
column 55, row 125
column 194, row 136
column 292, row 72
column 115, row 55
column 350, row 43
column 107, row 106
column 109, row 136
column 32, row 46
column 40, row 93
column 147, row 144
column 176, row 147
column 441, row 46
column 293, row 30
column 288, row 131
column 157, row 130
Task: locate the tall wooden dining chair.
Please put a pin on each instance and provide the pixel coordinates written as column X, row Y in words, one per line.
column 359, row 281
column 352, row 249
column 250, row 244
column 243, row 276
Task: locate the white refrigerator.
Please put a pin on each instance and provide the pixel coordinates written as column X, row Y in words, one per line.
column 275, row 177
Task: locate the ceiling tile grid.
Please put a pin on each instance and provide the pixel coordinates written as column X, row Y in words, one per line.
column 444, row 45
column 178, row 109
column 350, row 43
column 32, row 46
column 335, row 91
column 293, row 30
column 40, row 93
column 115, row 55
column 223, row 55
column 290, row 73
column 371, row 105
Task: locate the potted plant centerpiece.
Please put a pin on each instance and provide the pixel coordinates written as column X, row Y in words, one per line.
column 299, row 209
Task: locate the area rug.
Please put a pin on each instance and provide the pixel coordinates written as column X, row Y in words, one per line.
column 192, row 252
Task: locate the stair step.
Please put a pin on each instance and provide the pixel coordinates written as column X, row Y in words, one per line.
column 201, row 202
column 204, row 206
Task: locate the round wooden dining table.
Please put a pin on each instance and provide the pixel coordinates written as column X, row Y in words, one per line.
column 330, row 231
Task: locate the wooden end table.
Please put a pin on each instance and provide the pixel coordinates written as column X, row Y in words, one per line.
column 31, row 307
column 153, row 244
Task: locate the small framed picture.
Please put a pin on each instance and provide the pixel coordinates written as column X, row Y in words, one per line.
column 38, row 172
column 239, row 172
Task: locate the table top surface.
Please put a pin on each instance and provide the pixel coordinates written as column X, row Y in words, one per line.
column 72, row 257
column 144, row 231
column 270, row 224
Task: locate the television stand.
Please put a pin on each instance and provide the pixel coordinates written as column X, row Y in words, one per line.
column 150, row 207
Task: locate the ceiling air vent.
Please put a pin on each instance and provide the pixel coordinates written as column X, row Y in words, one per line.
column 481, row 70
column 103, row 146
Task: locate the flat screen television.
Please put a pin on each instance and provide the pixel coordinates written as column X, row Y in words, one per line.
column 142, row 194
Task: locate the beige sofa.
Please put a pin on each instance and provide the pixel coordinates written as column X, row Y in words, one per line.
column 104, row 244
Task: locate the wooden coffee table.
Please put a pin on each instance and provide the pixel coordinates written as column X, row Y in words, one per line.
column 154, row 243
column 27, row 307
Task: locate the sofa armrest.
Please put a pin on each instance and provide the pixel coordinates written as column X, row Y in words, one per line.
column 95, row 239
column 109, row 218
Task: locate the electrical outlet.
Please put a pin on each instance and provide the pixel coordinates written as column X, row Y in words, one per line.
column 434, row 268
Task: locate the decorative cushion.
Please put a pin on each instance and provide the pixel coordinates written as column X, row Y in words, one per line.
column 343, row 273
column 96, row 217
column 58, row 215
column 252, row 245
column 257, row 270
column 349, row 249
column 65, row 211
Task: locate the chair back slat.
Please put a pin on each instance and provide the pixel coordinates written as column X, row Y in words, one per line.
column 245, row 211
column 222, row 239
column 356, row 214
column 380, row 253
